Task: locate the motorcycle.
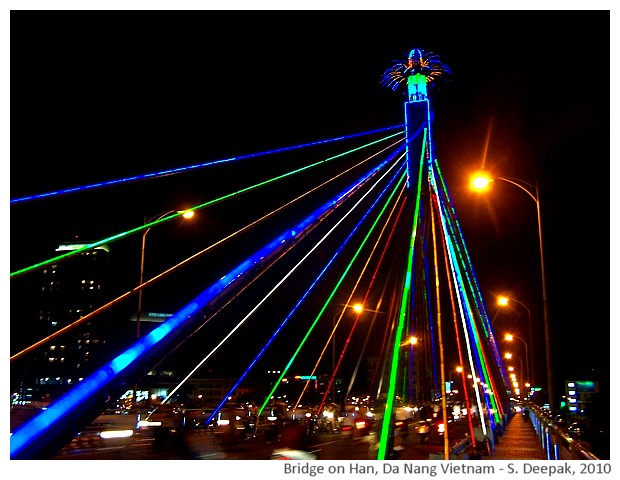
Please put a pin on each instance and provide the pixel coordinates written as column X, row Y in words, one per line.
column 423, row 430
column 293, row 444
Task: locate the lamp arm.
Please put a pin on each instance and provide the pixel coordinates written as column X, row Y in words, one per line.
column 519, row 183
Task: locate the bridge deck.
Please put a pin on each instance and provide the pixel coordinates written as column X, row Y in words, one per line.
column 519, row 442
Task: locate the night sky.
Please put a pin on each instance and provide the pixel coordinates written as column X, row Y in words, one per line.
column 103, row 95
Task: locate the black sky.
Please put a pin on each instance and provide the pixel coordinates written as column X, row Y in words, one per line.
column 101, row 95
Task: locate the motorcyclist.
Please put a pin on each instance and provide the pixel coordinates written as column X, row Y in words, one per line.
column 293, row 443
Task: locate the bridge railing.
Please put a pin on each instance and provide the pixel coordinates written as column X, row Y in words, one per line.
column 556, row 440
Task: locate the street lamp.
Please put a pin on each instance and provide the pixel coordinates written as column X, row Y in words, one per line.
column 481, row 182
column 509, row 356
column 358, row 308
column 509, row 337
column 457, row 369
column 185, row 214
column 503, row 301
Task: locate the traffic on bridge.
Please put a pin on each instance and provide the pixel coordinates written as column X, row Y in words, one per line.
column 311, row 296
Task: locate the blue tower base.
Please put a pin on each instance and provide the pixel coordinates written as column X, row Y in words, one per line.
column 416, row 122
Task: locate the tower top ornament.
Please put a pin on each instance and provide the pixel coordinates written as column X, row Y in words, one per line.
column 419, row 69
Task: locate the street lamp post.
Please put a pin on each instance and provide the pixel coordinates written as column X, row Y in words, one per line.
column 511, row 355
column 358, row 308
column 458, row 369
column 334, row 353
column 510, row 337
column 503, row 301
column 185, row 214
column 532, row 191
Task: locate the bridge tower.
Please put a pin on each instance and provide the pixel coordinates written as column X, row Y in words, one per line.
column 416, row 72
column 436, row 239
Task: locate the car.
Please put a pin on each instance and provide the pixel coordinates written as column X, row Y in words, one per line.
column 576, row 430
column 197, row 418
column 559, row 420
column 363, row 425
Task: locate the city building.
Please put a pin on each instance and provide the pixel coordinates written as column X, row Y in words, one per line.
column 69, row 290
column 581, row 396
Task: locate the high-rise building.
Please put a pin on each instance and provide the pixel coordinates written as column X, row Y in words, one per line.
column 69, row 290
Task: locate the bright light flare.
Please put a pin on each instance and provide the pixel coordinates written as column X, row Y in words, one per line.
column 147, row 423
column 481, row 181
column 116, row 434
column 502, row 301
